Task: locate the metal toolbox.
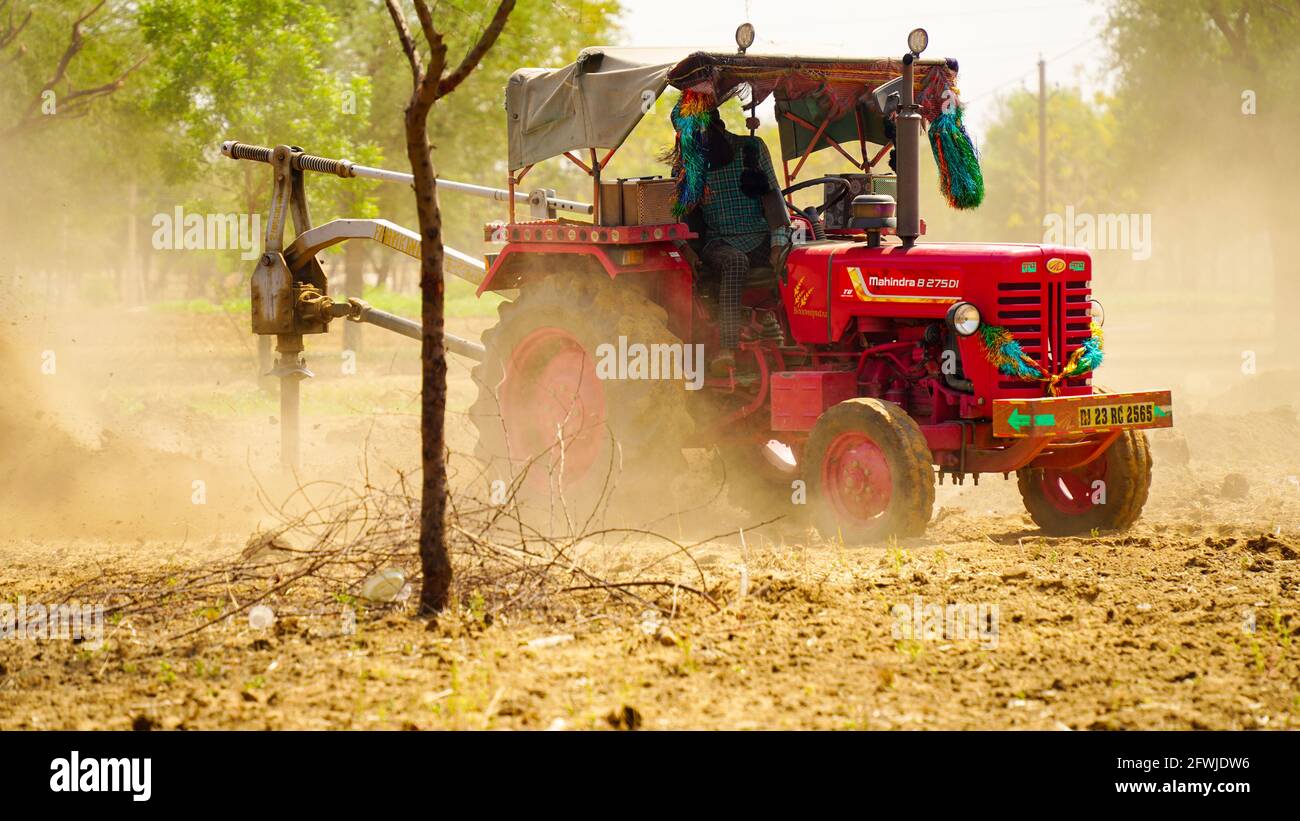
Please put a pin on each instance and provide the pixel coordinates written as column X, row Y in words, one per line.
column 637, row 201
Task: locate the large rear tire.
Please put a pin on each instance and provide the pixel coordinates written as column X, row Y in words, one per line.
column 1108, row 493
column 548, row 427
column 869, row 473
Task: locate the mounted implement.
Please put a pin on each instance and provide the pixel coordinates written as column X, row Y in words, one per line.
column 289, row 299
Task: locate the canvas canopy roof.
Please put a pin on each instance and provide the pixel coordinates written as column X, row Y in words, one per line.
column 597, row 100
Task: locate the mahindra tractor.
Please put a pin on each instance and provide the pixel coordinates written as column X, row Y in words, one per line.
column 872, row 364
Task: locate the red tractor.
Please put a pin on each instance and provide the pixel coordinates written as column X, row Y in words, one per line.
column 869, row 368
column 879, row 362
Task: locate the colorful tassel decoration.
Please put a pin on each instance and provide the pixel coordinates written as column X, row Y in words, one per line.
column 690, row 157
column 1088, row 356
column 960, row 177
column 1005, row 353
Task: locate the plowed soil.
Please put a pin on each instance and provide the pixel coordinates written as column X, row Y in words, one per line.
column 1188, row 620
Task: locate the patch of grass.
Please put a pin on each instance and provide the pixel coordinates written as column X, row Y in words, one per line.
column 911, row 648
column 233, row 305
column 459, row 300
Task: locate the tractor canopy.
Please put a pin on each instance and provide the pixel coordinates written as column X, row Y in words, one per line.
column 597, row 100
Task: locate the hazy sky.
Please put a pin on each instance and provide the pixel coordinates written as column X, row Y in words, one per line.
column 997, row 42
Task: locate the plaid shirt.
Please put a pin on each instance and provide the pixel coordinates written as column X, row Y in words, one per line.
column 729, row 215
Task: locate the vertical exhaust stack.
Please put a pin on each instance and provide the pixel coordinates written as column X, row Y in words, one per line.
column 907, row 142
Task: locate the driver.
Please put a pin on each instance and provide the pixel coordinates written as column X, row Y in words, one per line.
column 745, row 222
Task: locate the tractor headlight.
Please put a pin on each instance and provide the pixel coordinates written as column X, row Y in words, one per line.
column 744, row 37
column 964, row 318
column 917, row 41
column 1097, row 312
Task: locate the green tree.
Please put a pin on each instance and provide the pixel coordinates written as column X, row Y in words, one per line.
column 259, row 73
column 58, row 65
column 1080, row 139
column 1208, row 106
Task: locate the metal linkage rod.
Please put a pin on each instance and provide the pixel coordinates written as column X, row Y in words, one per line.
column 347, row 168
column 362, row 311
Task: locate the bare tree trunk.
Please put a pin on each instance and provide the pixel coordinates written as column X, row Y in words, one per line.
column 434, row 559
column 1286, row 282
column 429, row 84
column 382, row 270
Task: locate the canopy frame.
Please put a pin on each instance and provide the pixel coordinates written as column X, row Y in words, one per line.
column 566, row 98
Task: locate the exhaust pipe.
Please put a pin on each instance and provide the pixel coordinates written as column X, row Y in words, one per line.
column 907, row 140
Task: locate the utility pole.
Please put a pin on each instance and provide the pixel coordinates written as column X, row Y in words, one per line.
column 1042, row 139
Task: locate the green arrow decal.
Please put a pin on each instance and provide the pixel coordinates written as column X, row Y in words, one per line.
column 1018, row 420
column 1159, row 411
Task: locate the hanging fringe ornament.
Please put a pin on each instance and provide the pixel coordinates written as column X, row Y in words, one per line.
column 1088, row 356
column 1005, row 353
column 955, row 156
column 690, row 156
column 1007, row 356
column 960, row 177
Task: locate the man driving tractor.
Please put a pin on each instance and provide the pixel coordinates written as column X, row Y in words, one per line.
column 738, row 211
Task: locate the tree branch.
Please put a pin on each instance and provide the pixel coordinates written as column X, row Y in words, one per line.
column 81, row 98
column 75, row 44
column 427, row 93
column 408, row 44
column 1235, row 36
column 12, row 31
column 485, row 42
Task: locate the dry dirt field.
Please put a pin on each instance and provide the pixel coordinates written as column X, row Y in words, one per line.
column 1187, row 621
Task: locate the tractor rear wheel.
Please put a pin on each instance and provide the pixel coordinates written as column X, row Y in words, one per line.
column 548, row 427
column 1108, row 493
column 869, row 472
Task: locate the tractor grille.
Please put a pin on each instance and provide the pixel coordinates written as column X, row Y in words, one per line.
column 1050, row 319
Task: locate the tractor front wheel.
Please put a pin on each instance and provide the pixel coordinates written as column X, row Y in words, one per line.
column 1107, row 493
column 869, row 472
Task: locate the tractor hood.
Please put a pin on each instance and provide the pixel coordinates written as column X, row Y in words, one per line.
column 836, row 282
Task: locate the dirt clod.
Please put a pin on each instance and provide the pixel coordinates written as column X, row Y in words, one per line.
column 624, row 718
column 1235, row 486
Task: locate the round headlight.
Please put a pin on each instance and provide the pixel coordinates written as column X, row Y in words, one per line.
column 918, row 40
column 964, row 318
column 744, row 37
column 1097, row 313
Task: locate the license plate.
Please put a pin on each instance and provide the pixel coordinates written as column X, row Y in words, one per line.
column 1073, row 415
column 1107, row 416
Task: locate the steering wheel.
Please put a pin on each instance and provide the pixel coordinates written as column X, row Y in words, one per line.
column 818, row 211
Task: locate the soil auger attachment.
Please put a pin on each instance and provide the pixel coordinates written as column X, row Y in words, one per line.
column 289, row 289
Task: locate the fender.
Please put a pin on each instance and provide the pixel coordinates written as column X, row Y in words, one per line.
column 660, row 267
